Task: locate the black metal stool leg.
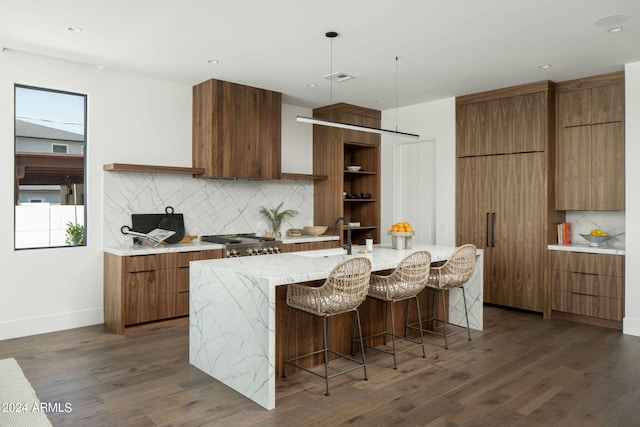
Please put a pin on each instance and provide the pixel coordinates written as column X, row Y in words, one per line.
column 444, row 315
column 326, row 355
column 286, row 345
column 424, row 354
column 466, row 315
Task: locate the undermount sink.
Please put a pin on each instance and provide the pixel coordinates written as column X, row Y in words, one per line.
column 321, row 252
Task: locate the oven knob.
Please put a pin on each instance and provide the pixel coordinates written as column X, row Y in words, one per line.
column 276, row 250
column 234, row 253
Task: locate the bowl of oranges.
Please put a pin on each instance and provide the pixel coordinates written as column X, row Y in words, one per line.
column 596, row 236
column 401, row 235
column 401, row 227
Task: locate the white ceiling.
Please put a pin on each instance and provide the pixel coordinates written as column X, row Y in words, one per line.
column 445, row 48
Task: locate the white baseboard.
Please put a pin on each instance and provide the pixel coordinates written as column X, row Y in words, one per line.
column 631, row 326
column 55, row 322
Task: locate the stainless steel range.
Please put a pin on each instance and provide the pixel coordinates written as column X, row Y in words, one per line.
column 237, row 245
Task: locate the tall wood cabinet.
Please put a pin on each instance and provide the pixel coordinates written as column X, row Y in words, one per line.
column 236, row 130
column 503, row 193
column 333, row 150
column 590, row 149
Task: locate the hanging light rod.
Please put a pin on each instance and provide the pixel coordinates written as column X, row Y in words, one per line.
column 332, row 35
column 341, row 125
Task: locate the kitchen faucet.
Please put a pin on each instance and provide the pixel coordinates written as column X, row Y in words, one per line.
column 335, row 228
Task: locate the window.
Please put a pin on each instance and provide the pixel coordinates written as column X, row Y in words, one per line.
column 50, row 146
column 59, row 148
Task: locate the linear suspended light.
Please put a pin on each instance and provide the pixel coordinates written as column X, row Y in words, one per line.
column 323, row 122
column 341, row 125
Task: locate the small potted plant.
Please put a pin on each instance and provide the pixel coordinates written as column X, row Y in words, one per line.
column 276, row 216
column 74, row 235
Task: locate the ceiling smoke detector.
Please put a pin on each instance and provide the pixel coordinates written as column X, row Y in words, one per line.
column 338, row 76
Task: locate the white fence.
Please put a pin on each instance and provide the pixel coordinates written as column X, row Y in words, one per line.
column 42, row 225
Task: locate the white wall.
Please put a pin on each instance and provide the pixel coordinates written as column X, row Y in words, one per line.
column 297, row 140
column 432, row 120
column 130, row 120
column 631, row 324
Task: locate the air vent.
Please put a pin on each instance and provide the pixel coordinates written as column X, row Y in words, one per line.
column 338, row 76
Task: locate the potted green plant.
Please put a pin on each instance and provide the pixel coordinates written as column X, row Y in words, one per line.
column 74, row 234
column 276, row 216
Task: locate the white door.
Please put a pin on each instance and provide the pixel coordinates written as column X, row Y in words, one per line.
column 414, row 189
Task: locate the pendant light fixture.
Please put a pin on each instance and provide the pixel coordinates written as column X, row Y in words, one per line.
column 331, row 35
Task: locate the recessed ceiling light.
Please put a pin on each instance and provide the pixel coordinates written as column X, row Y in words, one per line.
column 545, row 66
column 379, row 101
column 311, row 85
column 213, row 61
column 609, row 20
column 74, row 29
column 615, row 29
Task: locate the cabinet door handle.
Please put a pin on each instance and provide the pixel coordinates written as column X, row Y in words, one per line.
column 493, row 230
column 584, row 273
column 486, row 231
column 585, row 294
column 142, row 271
column 184, row 292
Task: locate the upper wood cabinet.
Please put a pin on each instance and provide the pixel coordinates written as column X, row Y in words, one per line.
column 236, row 130
column 506, row 125
column 590, row 144
column 592, row 100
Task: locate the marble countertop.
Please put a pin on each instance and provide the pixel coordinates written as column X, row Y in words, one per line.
column 609, row 250
column 196, row 245
column 304, row 266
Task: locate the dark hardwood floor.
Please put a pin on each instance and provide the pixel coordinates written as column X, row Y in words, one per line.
column 520, row 371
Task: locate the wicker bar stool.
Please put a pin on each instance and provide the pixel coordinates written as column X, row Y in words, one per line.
column 406, row 281
column 343, row 291
column 454, row 273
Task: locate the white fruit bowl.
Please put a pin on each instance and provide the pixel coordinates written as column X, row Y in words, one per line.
column 595, row 240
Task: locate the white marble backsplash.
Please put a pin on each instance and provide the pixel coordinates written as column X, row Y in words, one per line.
column 209, row 206
column 582, row 222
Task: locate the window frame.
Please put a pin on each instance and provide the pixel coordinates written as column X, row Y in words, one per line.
column 85, row 97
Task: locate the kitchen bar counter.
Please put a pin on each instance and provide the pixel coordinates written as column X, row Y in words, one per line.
column 232, row 310
column 604, row 249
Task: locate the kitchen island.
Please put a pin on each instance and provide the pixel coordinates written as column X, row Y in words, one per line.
column 232, row 323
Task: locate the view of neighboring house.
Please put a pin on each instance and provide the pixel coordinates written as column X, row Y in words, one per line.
column 50, row 184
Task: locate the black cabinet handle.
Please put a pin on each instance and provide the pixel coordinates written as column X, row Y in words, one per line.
column 142, row 271
column 184, row 292
column 493, row 230
column 486, row 231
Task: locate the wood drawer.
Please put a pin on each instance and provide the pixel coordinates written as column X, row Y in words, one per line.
column 588, row 305
column 178, row 259
column 587, row 283
column 140, row 263
column 610, row 265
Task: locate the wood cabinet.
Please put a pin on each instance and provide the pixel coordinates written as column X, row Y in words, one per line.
column 308, row 246
column 333, row 150
column 145, row 288
column 501, row 126
column 588, row 287
column 590, row 149
column 236, row 130
column 501, row 209
column 503, row 198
